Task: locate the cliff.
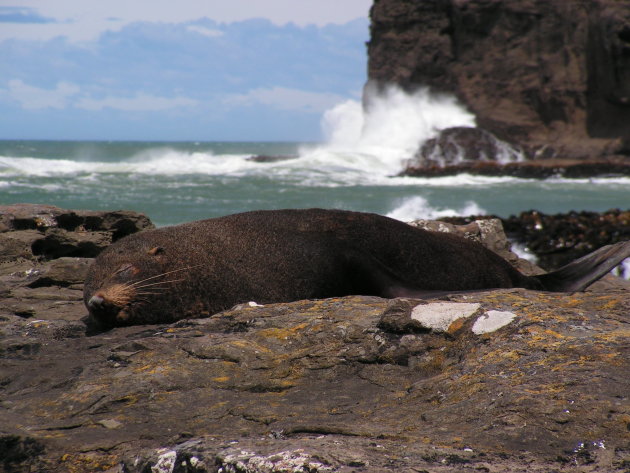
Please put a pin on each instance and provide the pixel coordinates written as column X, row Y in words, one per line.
column 552, row 77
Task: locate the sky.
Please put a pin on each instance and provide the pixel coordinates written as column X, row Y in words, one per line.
column 202, row 70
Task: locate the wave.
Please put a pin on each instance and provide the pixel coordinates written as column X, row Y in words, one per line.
column 150, row 162
column 417, row 207
column 373, row 142
column 364, row 146
column 316, row 167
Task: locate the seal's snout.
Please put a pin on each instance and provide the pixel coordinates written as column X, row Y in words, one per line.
column 108, row 302
column 96, row 303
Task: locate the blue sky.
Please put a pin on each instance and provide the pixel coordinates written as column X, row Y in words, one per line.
column 184, row 70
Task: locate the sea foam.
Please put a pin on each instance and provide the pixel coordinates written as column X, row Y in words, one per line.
column 416, row 207
column 388, row 131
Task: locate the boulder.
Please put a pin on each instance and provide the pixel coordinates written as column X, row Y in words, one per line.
column 457, row 145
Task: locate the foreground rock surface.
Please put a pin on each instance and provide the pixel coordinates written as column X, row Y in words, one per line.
column 507, row 380
column 352, row 384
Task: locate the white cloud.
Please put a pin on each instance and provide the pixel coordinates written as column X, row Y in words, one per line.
column 33, row 98
column 140, row 103
column 283, row 98
column 85, row 20
column 211, row 33
column 67, row 95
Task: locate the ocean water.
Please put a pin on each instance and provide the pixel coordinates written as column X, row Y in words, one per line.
column 354, row 168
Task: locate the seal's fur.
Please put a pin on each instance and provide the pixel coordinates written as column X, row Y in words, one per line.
column 203, row 267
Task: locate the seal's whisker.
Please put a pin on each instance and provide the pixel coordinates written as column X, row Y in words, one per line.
column 164, row 274
column 157, row 290
column 158, row 283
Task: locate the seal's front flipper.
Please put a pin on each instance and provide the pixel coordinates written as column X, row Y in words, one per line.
column 581, row 273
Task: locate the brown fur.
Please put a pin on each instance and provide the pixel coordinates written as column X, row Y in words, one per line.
column 200, row 268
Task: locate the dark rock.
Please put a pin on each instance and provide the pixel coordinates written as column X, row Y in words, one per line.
column 19, row 453
column 538, row 169
column 558, row 239
column 41, row 217
column 57, row 243
column 265, row 158
column 16, row 245
column 553, row 77
column 458, row 145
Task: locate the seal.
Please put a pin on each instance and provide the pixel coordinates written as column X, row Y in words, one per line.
column 200, row 268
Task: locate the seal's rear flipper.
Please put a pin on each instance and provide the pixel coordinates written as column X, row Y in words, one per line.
column 581, row 273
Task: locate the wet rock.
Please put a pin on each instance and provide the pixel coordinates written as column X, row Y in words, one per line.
column 554, row 240
column 537, row 169
column 266, row 158
column 561, row 238
column 459, row 145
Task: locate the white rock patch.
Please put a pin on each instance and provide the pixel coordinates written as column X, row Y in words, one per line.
column 438, row 316
column 166, row 461
column 491, row 321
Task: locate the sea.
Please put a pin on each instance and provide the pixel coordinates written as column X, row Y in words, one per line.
column 356, row 166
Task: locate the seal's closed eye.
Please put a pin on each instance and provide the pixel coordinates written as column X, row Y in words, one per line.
column 126, row 271
column 156, row 250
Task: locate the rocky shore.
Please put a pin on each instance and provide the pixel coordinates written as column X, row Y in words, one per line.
column 508, row 380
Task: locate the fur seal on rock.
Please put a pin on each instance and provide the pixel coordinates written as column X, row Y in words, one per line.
column 203, row 267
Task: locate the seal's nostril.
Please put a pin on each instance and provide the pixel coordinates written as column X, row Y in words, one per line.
column 96, row 302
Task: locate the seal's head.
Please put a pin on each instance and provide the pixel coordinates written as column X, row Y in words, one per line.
column 124, row 286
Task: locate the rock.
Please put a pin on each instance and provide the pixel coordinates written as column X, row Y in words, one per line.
column 35, row 232
column 554, row 240
column 485, row 230
column 458, row 145
column 537, row 169
column 266, row 158
column 62, row 272
column 326, row 384
column 552, row 77
column 559, row 239
column 14, row 246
